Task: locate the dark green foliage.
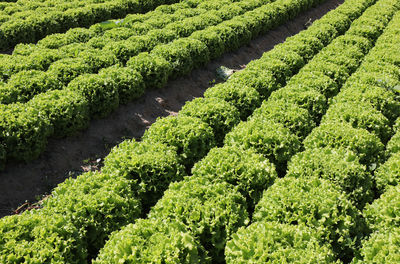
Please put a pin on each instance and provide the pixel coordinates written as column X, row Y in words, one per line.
column 150, row 166
column 317, row 203
column 22, row 86
column 381, row 247
column 67, row 111
column 97, row 204
column 249, row 171
column 269, row 242
column 129, row 82
column 152, row 241
column 220, row 115
column 298, row 120
column 100, row 92
column 360, row 115
column 339, row 166
column 23, row 131
column 212, row 211
column 306, row 98
column 30, row 22
column 68, row 69
column 384, row 212
column 365, row 145
column 155, row 70
column 388, row 174
column 36, row 237
column 192, row 137
column 244, row 98
column 266, row 137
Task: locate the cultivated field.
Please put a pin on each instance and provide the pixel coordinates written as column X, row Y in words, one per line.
column 292, row 159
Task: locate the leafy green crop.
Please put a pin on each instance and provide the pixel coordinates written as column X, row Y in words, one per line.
column 381, row 247
column 129, row 82
column 154, row 69
column 97, row 204
column 67, row 111
column 314, row 80
column 379, row 97
column 68, row 69
column 318, row 204
column 36, row 237
column 393, row 146
column 220, row 115
column 244, row 98
column 266, row 137
column 212, row 211
column 365, row 145
column 384, row 212
column 152, row 241
column 22, row 86
column 360, row 115
column 296, row 119
column 23, row 131
column 191, row 137
column 388, row 174
column 150, row 166
column 270, row 242
column 100, row 91
column 249, row 171
column 337, row 165
column 304, row 97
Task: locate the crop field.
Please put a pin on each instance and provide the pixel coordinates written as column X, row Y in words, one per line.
column 293, row 157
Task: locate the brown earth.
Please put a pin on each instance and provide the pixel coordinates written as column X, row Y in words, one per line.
column 21, row 183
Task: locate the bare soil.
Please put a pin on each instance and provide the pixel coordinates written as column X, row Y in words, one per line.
column 21, row 184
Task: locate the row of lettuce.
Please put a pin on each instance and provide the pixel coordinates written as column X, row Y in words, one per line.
column 30, row 21
column 313, row 215
column 25, row 127
column 196, row 215
column 341, row 154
